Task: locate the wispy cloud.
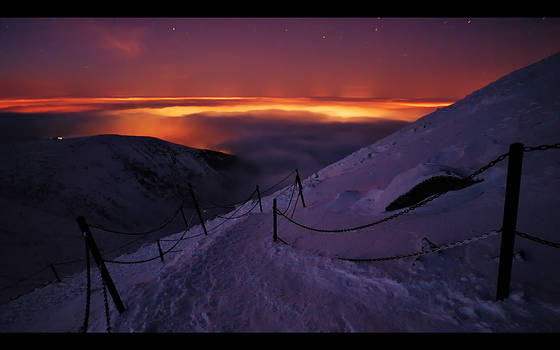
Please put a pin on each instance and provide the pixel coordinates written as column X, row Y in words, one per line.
column 124, row 40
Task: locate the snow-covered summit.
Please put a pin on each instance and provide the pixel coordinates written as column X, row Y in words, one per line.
column 238, row 279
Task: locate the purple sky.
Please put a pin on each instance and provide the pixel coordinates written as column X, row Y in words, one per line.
column 421, row 58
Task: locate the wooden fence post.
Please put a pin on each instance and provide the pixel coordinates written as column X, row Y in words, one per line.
column 160, row 251
column 55, row 273
column 198, row 210
column 509, row 223
column 100, row 263
column 275, row 221
column 259, row 195
column 298, row 180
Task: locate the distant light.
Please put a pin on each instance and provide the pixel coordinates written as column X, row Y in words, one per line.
column 59, row 137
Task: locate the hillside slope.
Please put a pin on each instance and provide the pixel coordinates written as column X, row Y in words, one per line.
column 125, row 183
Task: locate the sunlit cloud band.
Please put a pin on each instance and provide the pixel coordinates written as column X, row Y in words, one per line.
column 335, row 107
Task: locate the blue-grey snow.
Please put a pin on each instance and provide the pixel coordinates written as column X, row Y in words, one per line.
column 237, row 279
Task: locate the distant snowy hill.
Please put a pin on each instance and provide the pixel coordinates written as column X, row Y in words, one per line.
column 238, row 280
column 127, row 183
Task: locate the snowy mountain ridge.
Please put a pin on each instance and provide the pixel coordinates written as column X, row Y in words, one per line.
column 129, row 183
column 238, row 280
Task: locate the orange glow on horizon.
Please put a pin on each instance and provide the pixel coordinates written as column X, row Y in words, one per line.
column 337, row 108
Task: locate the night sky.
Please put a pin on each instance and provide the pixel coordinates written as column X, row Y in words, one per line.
column 414, row 58
column 129, row 74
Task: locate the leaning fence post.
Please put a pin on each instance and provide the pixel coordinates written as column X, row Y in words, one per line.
column 298, row 180
column 509, row 223
column 275, row 221
column 55, row 273
column 184, row 219
column 259, row 195
column 198, row 210
column 100, row 263
column 160, row 251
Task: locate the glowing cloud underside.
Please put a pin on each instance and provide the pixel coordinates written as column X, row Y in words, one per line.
column 342, row 108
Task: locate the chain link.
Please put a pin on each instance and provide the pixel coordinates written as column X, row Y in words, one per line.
column 428, row 251
column 409, row 209
column 160, row 227
column 488, row 166
column 106, row 302
column 291, row 198
column 240, row 215
column 229, row 206
column 541, row 147
column 264, row 192
column 88, row 292
column 538, row 240
column 177, row 241
column 405, row 211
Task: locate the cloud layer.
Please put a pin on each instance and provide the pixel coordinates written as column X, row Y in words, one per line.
column 274, row 141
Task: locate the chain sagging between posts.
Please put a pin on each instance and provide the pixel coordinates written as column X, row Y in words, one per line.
column 508, row 229
column 429, row 251
column 538, row 240
column 283, row 214
column 393, row 216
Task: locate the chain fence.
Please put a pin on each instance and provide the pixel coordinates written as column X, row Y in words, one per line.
column 159, row 256
column 402, row 212
column 429, row 251
column 106, row 303
column 168, row 221
column 272, row 189
column 88, row 291
column 541, row 147
column 227, row 206
column 440, row 248
column 268, row 191
column 32, row 277
column 538, row 240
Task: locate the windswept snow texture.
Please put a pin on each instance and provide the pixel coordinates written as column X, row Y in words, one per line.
column 238, row 280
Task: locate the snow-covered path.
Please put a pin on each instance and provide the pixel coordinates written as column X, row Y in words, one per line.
column 238, row 280
column 243, row 282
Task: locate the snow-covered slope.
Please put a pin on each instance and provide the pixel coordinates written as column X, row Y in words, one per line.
column 238, row 279
column 126, row 183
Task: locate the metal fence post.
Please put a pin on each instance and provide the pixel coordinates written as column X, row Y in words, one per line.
column 298, row 180
column 100, row 263
column 55, row 273
column 259, row 195
column 198, row 210
column 511, row 204
column 184, row 219
column 160, row 251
